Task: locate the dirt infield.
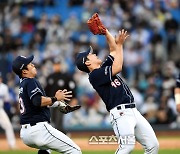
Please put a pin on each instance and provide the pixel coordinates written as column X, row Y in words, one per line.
column 165, row 143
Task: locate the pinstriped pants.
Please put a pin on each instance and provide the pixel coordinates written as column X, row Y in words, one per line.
column 128, row 125
column 43, row 136
column 6, row 125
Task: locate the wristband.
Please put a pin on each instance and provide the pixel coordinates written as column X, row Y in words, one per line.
column 53, row 99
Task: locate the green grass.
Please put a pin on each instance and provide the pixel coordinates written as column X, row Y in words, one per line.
column 176, row 151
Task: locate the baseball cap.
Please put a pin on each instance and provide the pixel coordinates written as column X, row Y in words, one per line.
column 56, row 60
column 81, row 59
column 20, row 62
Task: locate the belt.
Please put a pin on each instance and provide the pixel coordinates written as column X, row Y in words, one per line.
column 126, row 106
column 32, row 124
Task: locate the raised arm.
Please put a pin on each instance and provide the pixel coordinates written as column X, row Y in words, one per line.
column 111, row 41
column 115, row 44
column 97, row 28
column 118, row 53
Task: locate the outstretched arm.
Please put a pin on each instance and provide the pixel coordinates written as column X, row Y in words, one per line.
column 115, row 44
column 111, row 41
column 118, row 54
column 60, row 95
column 97, row 28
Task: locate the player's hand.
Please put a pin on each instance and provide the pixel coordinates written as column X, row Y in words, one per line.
column 122, row 36
column 63, row 95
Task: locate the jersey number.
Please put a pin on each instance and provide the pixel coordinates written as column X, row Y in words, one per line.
column 22, row 107
column 115, row 83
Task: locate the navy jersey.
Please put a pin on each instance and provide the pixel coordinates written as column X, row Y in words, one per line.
column 31, row 114
column 178, row 81
column 112, row 89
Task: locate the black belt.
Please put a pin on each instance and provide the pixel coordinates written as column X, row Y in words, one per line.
column 34, row 123
column 127, row 106
column 26, row 125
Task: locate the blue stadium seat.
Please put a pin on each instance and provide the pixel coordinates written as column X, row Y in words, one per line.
column 26, row 37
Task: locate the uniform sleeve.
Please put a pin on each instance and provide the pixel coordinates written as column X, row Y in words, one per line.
column 109, row 61
column 33, row 89
column 178, row 82
column 101, row 76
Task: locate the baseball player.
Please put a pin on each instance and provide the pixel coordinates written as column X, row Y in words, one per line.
column 36, row 131
column 4, row 120
column 177, row 93
column 127, row 122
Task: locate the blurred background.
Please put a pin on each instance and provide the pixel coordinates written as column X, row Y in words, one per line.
column 56, row 30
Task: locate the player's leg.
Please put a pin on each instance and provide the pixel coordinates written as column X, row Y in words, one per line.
column 6, row 125
column 58, row 141
column 123, row 123
column 145, row 135
column 43, row 136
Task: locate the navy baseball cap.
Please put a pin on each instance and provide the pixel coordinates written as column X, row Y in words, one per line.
column 57, row 60
column 20, row 62
column 81, row 59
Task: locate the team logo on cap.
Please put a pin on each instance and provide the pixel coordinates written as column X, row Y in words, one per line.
column 23, row 56
column 21, row 66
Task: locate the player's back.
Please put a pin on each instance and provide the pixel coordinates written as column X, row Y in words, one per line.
column 112, row 89
column 30, row 113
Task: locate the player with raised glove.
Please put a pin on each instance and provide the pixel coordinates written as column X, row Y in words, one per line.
column 65, row 107
column 95, row 25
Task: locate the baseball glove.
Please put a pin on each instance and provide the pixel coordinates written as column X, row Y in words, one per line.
column 95, row 25
column 66, row 108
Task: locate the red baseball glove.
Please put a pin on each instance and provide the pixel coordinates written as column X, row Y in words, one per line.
column 95, row 25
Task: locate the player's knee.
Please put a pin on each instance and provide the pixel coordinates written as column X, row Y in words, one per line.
column 152, row 148
column 76, row 151
column 124, row 149
column 130, row 148
column 39, row 143
column 156, row 146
